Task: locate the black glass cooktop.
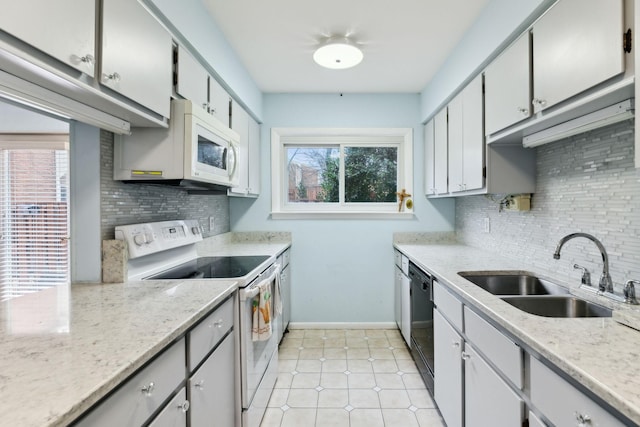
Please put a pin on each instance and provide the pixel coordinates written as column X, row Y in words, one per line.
column 214, row 268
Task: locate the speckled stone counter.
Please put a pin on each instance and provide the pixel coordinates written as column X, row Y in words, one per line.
column 598, row 353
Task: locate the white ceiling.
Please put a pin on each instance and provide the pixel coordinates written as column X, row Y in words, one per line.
column 404, row 41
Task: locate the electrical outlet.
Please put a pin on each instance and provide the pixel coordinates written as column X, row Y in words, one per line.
column 487, row 225
column 211, row 223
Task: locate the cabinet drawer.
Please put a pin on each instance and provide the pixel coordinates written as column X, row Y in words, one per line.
column 546, row 386
column 208, row 333
column 448, row 305
column 398, row 258
column 284, row 258
column 500, row 350
column 174, row 413
column 131, row 405
column 404, row 265
column 534, row 421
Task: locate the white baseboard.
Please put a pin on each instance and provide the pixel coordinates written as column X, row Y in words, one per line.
column 343, row 325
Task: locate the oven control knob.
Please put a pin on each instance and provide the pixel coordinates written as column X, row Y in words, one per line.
column 148, row 237
column 195, row 230
column 139, row 239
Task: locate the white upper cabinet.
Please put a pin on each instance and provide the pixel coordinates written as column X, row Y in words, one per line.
column 440, row 136
column 63, row 29
column 136, row 55
column 248, row 152
column 192, row 82
column 429, row 155
column 576, row 45
column 219, row 101
column 466, row 139
column 507, row 82
column 254, row 157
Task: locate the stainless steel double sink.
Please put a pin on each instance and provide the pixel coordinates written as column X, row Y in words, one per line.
column 534, row 295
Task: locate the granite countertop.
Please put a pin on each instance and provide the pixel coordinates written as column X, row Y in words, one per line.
column 598, row 353
column 64, row 348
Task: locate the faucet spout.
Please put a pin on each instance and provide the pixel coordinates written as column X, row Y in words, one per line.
column 605, row 285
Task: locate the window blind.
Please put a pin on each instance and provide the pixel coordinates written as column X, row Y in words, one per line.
column 34, row 203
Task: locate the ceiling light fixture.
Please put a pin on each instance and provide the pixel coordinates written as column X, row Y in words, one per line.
column 338, row 53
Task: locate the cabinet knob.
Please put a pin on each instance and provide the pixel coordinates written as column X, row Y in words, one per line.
column 148, row 389
column 87, row 59
column 465, row 356
column 539, row 102
column 184, row 407
column 205, row 105
column 217, row 324
column 199, row 385
column 523, row 111
column 455, row 344
column 584, row 420
column 115, row 77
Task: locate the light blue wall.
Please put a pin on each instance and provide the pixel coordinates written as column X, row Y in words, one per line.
column 192, row 21
column 498, row 24
column 342, row 270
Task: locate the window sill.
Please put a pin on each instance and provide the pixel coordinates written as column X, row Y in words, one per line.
column 342, row 215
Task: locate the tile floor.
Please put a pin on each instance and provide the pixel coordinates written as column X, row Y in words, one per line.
column 348, row 378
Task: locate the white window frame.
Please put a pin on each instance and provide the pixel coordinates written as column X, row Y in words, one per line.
column 319, row 137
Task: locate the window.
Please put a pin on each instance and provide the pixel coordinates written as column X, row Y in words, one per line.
column 340, row 172
column 34, row 205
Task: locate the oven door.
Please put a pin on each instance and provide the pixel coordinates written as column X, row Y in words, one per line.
column 255, row 355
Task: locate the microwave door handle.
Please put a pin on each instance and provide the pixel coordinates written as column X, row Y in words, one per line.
column 232, row 147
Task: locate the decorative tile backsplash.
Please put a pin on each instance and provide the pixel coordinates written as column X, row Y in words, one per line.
column 585, row 183
column 133, row 203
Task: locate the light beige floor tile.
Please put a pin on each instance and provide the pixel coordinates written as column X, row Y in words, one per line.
column 335, row 353
column 306, row 380
column 336, row 365
column 359, row 366
column 309, row 366
column 311, row 353
column 376, row 333
column 333, row 398
column 289, row 342
column 384, row 366
column 303, row 398
column 333, row 380
column 394, row 399
column 402, row 354
column 407, row 366
column 287, row 365
column 413, row 381
column 429, row 418
column 313, row 342
column 366, row 418
column 397, row 342
column 296, row 333
column 334, row 333
column 314, row 333
column 272, row 418
column 358, row 353
column 381, row 353
column 350, row 333
column 278, row 397
column 284, row 380
column 421, row 398
column 389, row 381
column 399, row 417
column 332, row 418
column 357, row 342
column 393, row 333
column 335, row 342
column 367, row 381
column 359, row 398
column 288, row 353
column 299, row 417
column 378, row 343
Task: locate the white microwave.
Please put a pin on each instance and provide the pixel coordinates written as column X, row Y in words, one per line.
column 197, row 151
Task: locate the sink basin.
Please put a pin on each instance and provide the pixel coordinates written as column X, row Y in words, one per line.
column 516, row 283
column 557, row 306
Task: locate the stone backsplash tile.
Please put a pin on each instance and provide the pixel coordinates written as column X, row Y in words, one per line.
column 134, row 203
column 585, row 183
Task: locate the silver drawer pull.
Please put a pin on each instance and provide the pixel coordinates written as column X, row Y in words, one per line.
column 87, row 59
column 199, row 385
column 455, row 344
column 217, row 324
column 148, row 389
column 465, row 356
column 583, row 420
column 184, row 407
column 113, row 76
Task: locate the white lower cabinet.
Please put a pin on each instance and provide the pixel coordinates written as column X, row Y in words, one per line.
column 212, row 390
column 534, row 421
column 489, row 401
column 448, row 370
column 174, row 413
column 402, row 297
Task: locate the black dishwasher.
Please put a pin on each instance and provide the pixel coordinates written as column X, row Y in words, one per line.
column 422, row 323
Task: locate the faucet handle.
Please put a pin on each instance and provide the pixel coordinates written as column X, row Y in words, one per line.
column 630, row 292
column 586, row 276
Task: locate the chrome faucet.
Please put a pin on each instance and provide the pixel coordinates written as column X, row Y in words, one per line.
column 605, row 285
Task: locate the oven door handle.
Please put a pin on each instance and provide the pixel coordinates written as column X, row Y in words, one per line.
column 253, row 290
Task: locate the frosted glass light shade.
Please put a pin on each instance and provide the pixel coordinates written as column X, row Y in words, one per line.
column 338, row 54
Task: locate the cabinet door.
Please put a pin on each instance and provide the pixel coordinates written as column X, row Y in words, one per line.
column 447, row 370
column 192, row 81
column 136, row 55
column 576, row 45
column 507, row 86
column 429, row 159
column 488, row 400
column 174, row 413
column 240, row 123
column 254, row 157
column 472, row 135
column 405, row 299
column 64, row 29
column 218, row 101
column 456, row 142
column 397, row 287
column 440, row 133
column 285, row 287
column 212, row 388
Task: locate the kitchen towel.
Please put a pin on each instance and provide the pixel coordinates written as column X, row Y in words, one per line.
column 277, row 293
column 261, row 330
